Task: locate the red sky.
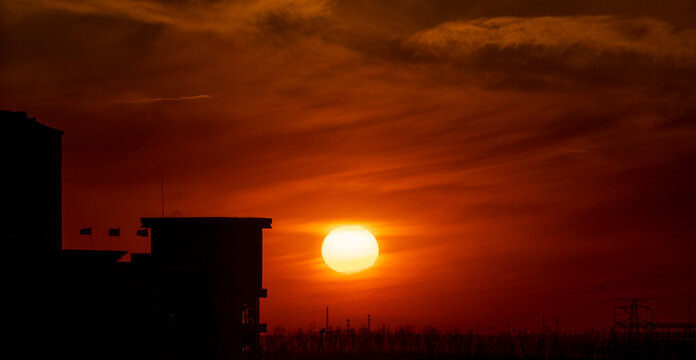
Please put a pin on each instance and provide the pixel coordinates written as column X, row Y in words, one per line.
column 514, row 159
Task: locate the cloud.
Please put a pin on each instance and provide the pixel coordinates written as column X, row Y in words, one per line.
column 499, row 51
column 594, row 34
column 180, row 98
column 216, row 16
column 604, row 49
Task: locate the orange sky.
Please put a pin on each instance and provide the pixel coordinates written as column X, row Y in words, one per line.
column 513, row 158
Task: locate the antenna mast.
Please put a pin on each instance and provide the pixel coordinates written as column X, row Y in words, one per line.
column 162, row 196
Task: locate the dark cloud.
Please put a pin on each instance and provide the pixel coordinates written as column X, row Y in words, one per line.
column 421, row 14
column 601, row 49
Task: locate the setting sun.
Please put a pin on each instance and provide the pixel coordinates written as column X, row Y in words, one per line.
column 350, row 249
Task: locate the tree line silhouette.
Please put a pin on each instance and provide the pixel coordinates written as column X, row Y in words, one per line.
column 430, row 343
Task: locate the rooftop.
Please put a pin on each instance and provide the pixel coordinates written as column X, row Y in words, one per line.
column 17, row 119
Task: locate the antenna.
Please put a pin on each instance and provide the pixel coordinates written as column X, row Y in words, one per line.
column 162, row 196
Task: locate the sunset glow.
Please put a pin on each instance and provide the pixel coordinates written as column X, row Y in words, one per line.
column 350, row 249
column 515, row 160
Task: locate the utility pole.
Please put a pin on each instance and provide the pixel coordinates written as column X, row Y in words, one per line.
column 324, row 331
column 347, row 324
column 368, row 322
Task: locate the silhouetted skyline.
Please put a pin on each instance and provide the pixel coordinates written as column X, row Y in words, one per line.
column 195, row 295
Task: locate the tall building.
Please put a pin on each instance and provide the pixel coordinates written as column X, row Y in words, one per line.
column 208, row 273
column 30, row 183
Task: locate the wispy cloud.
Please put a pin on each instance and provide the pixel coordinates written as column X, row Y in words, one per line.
column 592, row 35
column 219, row 16
column 164, row 99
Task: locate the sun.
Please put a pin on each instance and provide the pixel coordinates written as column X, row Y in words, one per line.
column 349, row 249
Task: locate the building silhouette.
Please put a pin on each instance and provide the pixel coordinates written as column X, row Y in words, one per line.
column 195, row 296
column 30, row 186
column 206, row 274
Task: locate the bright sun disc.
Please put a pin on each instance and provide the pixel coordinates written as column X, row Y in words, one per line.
column 350, row 249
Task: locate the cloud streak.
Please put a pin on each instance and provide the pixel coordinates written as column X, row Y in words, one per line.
column 593, row 35
column 158, row 99
column 217, row 16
